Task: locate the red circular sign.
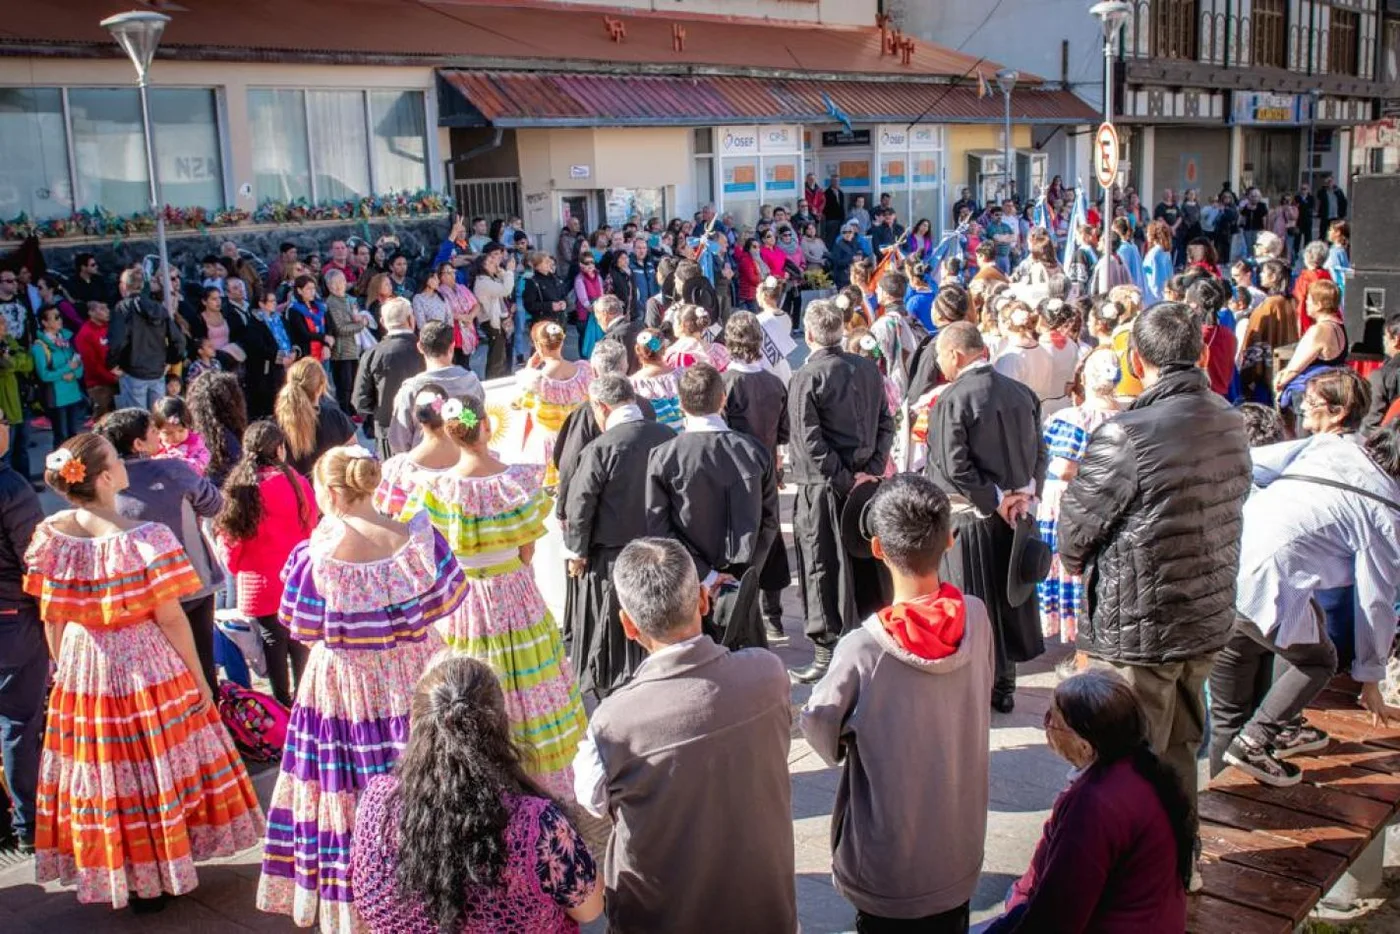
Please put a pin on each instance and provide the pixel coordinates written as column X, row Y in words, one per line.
column 1106, row 154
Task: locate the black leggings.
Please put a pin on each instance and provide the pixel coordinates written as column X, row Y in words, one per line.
column 278, row 646
column 200, row 613
column 344, row 371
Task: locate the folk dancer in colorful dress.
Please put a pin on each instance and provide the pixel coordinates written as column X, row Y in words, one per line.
column 367, row 592
column 138, row 779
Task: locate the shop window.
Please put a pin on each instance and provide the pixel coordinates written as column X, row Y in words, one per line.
column 337, row 145
column 703, row 144
column 1270, row 25
column 34, row 170
column 110, row 156
column 1174, row 29
column 1342, row 42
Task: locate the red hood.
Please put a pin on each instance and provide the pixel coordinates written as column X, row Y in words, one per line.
column 928, row 627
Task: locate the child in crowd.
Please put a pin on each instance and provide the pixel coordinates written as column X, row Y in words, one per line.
column 204, row 361
column 172, row 421
column 920, row 668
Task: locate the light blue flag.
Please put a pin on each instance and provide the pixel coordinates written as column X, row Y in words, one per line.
column 1040, row 215
column 1076, row 217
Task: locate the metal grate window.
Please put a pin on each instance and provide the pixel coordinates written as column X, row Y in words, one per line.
column 1342, row 42
column 1174, row 29
column 491, row 198
column 1270, row 24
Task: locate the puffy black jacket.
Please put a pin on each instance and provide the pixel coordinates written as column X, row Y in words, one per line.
column 1152, row 520
column 143, row 338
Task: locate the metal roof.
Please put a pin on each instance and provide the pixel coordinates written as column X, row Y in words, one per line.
column 537, row 99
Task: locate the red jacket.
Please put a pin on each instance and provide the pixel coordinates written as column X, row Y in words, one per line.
column 749, row 277
column 91, row 342
column 258, row 561
column 1300, row 295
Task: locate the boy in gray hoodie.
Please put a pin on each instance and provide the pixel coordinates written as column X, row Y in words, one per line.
column 903, row 709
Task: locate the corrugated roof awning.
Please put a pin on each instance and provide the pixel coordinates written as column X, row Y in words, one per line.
column 559, row 99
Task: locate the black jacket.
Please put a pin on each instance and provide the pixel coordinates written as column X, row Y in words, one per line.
column 1385, row 389
column 143, row 338
column 20, row 512
column 540, row 294
column 839, row 423
column 1153, row 519
column 382, row 371
column 625, row 331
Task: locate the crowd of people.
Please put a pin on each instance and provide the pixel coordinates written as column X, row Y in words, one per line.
column 983, row 457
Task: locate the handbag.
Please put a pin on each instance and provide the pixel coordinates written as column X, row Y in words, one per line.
column 1339, row 485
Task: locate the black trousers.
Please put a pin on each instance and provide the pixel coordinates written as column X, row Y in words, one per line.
column 497, row 352
column 954, row 921
column 279, row 648
column 1301, row 672
column 344, row 372
column 24, row 676
column 200, row 613
column 828, row 594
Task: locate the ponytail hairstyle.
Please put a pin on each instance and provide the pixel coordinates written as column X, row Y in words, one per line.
column 218, row 411
column 243, row 505
column 454, row 774
column 1101, row 710
column 295, row 408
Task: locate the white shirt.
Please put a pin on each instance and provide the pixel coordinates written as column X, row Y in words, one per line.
column 590, row 774
column 713, row 423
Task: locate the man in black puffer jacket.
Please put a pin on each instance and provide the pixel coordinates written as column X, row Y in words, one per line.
column 1152, row 520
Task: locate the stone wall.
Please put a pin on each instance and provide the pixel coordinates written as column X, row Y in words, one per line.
column 419, row 237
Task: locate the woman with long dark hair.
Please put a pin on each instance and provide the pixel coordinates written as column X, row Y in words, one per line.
column 459, row 837
column 219, row 414
column 268, row 510
column 1118, row 849
column 364, row 593
column 493, row 284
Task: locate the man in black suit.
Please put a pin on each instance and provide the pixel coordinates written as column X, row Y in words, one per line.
column 618, row 326
column 985, row 449
column 833, row 210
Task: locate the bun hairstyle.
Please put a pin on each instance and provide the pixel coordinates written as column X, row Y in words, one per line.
column 465, row 420
column 427, row 406
column 693, row 320
column 651, row 344
column 1058, row 313
column 1102, row 372
column 547, row 336
column 1017, row 316
column 350, row 471
column 72, row 470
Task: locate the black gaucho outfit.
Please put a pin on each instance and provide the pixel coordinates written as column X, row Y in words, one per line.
column 756, row 405
column 604, row 509
column 984, row 436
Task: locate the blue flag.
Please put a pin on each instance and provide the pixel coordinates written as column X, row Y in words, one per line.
column 836, row 113
column 1040, row 214
column 1076, row 218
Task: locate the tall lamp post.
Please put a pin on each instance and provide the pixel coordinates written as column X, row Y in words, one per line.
column 1113, row 14
column 1314, row 96
column 138, row 33
column 1006, row 80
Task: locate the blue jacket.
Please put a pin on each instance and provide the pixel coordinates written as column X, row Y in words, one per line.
column 51, row 365
column 168, row 491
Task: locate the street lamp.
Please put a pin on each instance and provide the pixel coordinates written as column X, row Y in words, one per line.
column 1006, row 80
column 138, row 33
column 1315, row 95
column 1113, row 14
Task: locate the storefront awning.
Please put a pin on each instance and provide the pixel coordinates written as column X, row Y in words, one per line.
column 561, row 99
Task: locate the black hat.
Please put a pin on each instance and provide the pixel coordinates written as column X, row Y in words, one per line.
column 855, row 523
column 1030, row 561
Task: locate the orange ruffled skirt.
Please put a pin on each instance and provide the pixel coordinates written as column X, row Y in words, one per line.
column 135, row 784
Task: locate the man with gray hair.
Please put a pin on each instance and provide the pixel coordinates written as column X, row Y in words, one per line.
column 840, row 434
column 604, row 508
column 581, row 427
column 142, row 340
column 386, row 367
column 663, row 756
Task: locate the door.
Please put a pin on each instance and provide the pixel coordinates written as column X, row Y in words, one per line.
column 580, row 204
column 1271, row 161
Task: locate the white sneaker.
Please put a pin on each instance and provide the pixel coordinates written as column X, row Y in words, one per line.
column 1197, row 883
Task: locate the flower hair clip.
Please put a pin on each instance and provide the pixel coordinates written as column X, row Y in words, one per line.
column 429, row 398
column 553, row 330
column 771, row 282
column 649, row 340
column 870, row 345
column 469, row 418
column 452, row 408
column 63, row 463
column 1020, row 317
column 357, row 452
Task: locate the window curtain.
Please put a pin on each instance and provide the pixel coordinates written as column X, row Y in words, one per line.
column 281, row 155
column 34, row 178
column 399, row 138
column 339, row 144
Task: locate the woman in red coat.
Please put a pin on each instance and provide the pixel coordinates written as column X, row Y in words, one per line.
column 269, row 509
column 752, row 271
column 1314, row 256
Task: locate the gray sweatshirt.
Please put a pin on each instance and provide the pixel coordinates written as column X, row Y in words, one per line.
column 457, row 382
column 910, row 820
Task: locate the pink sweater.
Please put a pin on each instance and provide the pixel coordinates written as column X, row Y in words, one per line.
column 258, row 561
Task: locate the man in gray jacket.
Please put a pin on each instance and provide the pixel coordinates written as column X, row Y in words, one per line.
column 435, row 343
column 690, row 761
column 903, row 709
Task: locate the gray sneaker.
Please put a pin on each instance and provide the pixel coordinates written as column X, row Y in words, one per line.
column 1299, row 741
column 1261, row 764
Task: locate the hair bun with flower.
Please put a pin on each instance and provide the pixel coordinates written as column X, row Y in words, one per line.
column 650, row 340
column 1020, row 317
column 63, row 463
column 452, row 408
column 771, row 282
column 870, row 345
column 356, row 452
column 429, row 398
column 553, row 330
column 843, row 302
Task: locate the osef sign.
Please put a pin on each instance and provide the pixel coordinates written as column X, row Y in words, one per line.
column 1106, row 154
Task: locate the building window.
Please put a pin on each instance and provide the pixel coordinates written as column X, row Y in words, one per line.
column 1270, row 24
column 703, row 144
column 1174, row 28
column 1342, row 42
column 34, row 171
column 109, row 152
column 337, row 145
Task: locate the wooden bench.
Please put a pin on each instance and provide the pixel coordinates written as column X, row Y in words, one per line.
column 1269, row 855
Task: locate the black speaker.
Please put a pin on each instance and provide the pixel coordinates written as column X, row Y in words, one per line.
column 1374, row 201
column 1371, row 297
